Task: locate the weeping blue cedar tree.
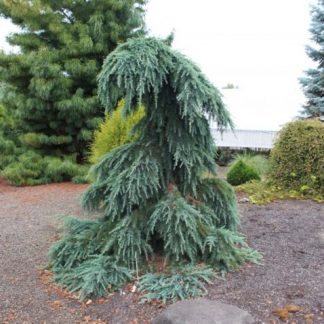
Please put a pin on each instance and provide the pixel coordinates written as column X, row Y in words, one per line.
column 153, row 193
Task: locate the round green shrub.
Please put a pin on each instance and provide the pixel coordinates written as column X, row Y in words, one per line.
column 31, row 169
column 114, row 131
column 240, row 172
column 258, row 162
column 297, row 159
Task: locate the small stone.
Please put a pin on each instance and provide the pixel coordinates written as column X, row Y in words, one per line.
column 133, row 289
column 203, row 311
column 244, row 200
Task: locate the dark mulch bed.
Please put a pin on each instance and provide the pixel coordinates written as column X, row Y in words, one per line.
column 289, row 233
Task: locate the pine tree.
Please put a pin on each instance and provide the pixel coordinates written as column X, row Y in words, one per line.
column 160, row 193
column 313, row 83
column 8, row 135
column 53, row 77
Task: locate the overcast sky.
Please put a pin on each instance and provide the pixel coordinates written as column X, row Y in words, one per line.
column 258, row 45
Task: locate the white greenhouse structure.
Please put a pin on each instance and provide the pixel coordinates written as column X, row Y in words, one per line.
column 245, row 139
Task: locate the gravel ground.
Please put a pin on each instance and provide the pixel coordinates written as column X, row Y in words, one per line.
column 289, row 233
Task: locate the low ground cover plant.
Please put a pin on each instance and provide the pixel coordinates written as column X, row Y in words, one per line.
column 263, row 192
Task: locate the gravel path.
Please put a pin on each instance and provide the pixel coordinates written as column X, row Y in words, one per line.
column 27, row 228
column 289, row 233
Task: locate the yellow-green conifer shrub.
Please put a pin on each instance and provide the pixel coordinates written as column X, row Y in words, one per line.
column 297, row 159
column 114, row 131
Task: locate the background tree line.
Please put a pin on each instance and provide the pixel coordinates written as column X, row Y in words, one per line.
column 49, row 105
column 49, row 88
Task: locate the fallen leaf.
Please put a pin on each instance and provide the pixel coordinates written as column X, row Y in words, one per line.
column 89, row 302
column 56, row 304
column 100, row 301
column 309, row 318
column 291, row 308
column 45, row 277
column 282, row 313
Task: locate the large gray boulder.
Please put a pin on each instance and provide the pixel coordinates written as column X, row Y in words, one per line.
column 203, row 311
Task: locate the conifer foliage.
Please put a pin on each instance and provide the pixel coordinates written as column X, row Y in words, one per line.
column 52, row 79
column 152, row 193
column 313, row 83
column 114, row 131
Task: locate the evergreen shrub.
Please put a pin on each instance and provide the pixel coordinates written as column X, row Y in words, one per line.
column 241, row 172
column 8, row 152
column 94, row 277
column 151, row 193
column 52, row 79
column 188, row 282
column 30, row 168
column 9, row 149
column 260, row 163
column 6, row 121
column 114, row 131
column 297, row 159
column 23, row 167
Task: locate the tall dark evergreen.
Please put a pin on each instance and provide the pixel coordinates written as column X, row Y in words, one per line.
column 52, row 80
column 158, row 195
column 313, row 82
